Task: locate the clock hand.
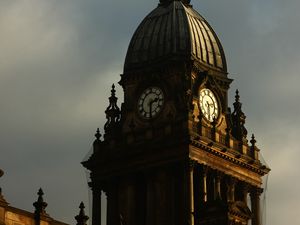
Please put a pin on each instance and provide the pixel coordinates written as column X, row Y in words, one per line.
column 155, row 100
column 208, row 109
column 150, row 105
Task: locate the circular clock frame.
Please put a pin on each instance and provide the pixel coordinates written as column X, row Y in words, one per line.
column 209, row 105
column 150, row 102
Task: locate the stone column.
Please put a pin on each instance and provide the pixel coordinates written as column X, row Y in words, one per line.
column 218, row 185
column 255, row 206
column 231, row 189
column 191, row 190
column 96, row 213
column 150, row 203
column 245, row 193
column 113, row 217
column 204, row 183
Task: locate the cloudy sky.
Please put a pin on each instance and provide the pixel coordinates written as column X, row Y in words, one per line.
column 58, row 59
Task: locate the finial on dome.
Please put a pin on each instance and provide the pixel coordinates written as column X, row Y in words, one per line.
column 169, row 1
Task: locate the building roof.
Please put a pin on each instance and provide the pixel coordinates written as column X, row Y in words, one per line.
column 174, row 30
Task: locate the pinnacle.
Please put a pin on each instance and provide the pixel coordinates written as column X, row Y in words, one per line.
column 237, row 96
column 98, row 135
column 113, row 91
column 81, row 218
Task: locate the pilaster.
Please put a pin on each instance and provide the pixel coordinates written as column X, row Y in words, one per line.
column 255, row 205
column 96, row 211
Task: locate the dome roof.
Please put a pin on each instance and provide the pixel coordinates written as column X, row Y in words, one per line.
column 174, row 30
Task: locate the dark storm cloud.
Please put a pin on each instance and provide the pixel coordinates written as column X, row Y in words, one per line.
column 59, row 58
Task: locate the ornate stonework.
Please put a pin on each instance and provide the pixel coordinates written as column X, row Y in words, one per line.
column 190, row 161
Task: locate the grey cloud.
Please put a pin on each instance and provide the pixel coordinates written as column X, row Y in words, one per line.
column 59, row 58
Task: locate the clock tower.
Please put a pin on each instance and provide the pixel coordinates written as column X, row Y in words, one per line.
column 175, row 153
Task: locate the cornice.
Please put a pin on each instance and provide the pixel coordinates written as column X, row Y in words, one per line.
column 231, row 156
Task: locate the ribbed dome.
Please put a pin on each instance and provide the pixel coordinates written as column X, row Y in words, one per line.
column 174, row 30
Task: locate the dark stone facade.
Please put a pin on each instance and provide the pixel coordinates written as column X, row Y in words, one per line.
column 179, row 166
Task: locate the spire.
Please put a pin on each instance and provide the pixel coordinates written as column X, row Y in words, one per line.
column 97, row 142
column 238, row 120
column 81, row 218
column 237, row 96
column 113, row 113
column 40, row 205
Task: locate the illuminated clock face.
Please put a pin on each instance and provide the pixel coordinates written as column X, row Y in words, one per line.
column 150, row 102
column 208, row 104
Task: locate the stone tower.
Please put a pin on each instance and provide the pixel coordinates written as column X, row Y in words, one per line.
column 175, row 153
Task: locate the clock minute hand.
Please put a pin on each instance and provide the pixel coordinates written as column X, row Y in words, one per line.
column 208, row 109
column 150, row 105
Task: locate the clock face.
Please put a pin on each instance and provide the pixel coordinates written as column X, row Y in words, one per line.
column 208, row 104
column 150, row 102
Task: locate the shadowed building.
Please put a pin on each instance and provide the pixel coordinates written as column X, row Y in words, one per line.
column 175, row 153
